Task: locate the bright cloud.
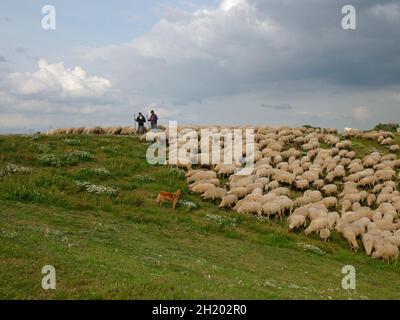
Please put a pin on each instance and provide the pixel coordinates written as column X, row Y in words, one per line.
column 390, row 11
column 361, row 114
column 55, row 78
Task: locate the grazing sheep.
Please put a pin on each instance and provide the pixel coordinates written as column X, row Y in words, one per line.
column 228, row 201
column 203, row 175
column 296, row 221
column 387, row 252
column 301, row 184
column 271, row 208
column 325, row 234
column 349, row 235
column 333, row 219
column 368, row 243
column 329, row 189
column 316, row 225
column 215, row 182
column 251, row 207
column 214, row 193
column 273, row 185
column 329, row 202
column 280, row 191
column 239, row 192
column 319, row 184
column 201, row 187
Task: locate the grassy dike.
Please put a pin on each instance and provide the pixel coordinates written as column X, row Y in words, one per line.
column 120, row 245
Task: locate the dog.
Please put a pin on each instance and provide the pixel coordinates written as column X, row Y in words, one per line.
column 169, row 197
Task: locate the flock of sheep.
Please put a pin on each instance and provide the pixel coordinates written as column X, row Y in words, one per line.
column 320, row 190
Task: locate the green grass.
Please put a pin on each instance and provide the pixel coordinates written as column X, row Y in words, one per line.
column 125, row 247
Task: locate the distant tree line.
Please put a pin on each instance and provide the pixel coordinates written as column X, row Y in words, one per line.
column 392, row 127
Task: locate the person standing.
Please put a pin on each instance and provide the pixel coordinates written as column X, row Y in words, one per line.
column 153, row 120
column 141, row 120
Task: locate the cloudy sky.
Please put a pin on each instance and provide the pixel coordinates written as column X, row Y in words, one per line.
column 199, row 61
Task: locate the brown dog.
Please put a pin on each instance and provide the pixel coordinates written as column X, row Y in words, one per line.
column 169, row 197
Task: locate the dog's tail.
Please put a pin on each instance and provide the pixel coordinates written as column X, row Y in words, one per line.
column 158, row 198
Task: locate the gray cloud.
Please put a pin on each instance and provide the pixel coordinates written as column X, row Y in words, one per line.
column 221, row 65
column 3, row 59
column 20, row 49
column 282, row 107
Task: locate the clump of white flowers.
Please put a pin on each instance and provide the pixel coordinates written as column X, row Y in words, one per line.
column 145, row 178
column 13, row 168
column 311, row 248
column 72, row 142
column 97, row 189
column 178, row 172
column 50, row 159
column 188, row 204
column 79, row 154
column 43, row 148
column 222, row 220
column 100, row 171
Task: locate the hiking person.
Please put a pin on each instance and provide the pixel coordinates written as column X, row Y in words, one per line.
column 141, row 120
column 153, row 120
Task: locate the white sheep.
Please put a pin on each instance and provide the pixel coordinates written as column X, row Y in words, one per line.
column 296, row 221
column 214, row 193
column 387, row 252
column 325, row 234
column 228, row 201
column 251, row 207
column 316, row 225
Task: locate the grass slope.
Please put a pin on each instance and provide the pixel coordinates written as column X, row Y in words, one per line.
column 124, row 247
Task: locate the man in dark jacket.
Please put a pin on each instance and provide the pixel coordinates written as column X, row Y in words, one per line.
column 141, row 120
column 153, row 120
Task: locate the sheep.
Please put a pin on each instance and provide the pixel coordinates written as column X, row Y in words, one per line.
column 385, row 174
column 329, row 189
column 325, row 234
column 214, row 193
column 387, row 252
column 301, row 184
column 273, row 185
column 271, row 208
column 296, row 221
column 252, row 186
column 349, row 235
column 394, row 240
column 239, row 192
column 280, row 191
column 315, row 196
column 250, row 207
column 319, row 184
column 203, row 175
column 228, row 201
column 369, row 181
column 227, row 169
column 333, row 219
column 394, row 148
column 201, row 187
column 316, row 225
column 286, row 205
column 368, row 240
column 215, row 182
column 301, row 201
column 191, row 172
column 329, row 202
